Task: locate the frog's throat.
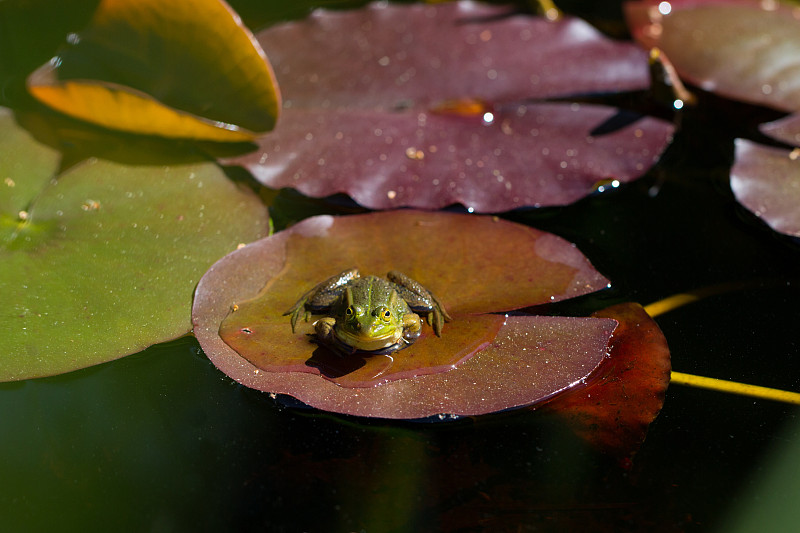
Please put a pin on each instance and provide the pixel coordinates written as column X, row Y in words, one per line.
column 367, row 343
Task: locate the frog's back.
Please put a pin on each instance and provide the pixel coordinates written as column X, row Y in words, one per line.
column 376, row 290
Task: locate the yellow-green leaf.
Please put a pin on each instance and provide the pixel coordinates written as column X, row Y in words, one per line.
column 186, row 69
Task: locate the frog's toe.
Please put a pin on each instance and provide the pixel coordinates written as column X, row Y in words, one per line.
column 437, row 319
column 294, row 312
column 324, row 329
column 293, row 318
column 437, row 306
column 409, row 336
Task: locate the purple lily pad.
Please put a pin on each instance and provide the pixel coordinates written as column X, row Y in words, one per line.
column 741, row 49
column 785, row 130
column 427, row 106
column 477, row 266
column 766, row 181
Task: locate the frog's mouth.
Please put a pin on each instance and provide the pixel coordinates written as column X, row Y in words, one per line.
column 368, row 343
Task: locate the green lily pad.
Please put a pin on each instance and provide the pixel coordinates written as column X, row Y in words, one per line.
column 103, row 261
column 174, row 69
column 26, row 166
column 478, row 267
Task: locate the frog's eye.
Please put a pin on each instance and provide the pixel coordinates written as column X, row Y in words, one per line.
column 384, row 314
column 350, row 311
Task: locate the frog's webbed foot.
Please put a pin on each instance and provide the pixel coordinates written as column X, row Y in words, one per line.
column 296, row 309
column 322, row 296
column 420, row 299
column 437, row 317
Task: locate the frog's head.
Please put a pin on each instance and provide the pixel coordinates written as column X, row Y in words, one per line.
column 367, row 325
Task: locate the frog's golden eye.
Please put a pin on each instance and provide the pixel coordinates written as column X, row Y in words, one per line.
column 350, row 311
column 383, row 313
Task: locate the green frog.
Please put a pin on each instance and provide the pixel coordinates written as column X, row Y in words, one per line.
column 369, row 314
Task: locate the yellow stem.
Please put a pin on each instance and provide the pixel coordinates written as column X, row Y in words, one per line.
column 549, row 9
column 754, row 391
column 679, row 300
column 732, row 387
column 670, row 302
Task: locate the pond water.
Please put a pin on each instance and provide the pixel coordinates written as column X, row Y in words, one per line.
column 163, row 441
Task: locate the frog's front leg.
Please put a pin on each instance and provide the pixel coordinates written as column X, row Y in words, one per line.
column 326, row 336
column 321, row 296
column 420, row 299
column 324, row 329
column 412, row 326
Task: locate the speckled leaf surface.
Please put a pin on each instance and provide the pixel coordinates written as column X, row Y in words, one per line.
column 741, row 49
column 174, row 69
column 26, row 166
column 104, row 260
column 766, row 180
column 477, row 266
column 427, row 106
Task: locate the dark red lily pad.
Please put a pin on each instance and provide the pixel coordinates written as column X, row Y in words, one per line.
column 427, row 106
column 626, row 393
column 741, row 49
column 477, row 266
column 766, row 180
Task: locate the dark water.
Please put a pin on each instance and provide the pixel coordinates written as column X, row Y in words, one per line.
column 162, row 441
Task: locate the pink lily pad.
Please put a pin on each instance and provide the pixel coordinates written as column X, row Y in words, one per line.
column 741, row 49
column 427, row 106
column 766, row 181
column 477, row 266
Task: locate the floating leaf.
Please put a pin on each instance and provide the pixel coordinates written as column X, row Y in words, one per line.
column 106, row 256
column 741, row 49
column 426, row 106
column 175, row 69
column 25, row 168
column 622, row 398
column 766, row 181
column 786, row 129
column 477, row 266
